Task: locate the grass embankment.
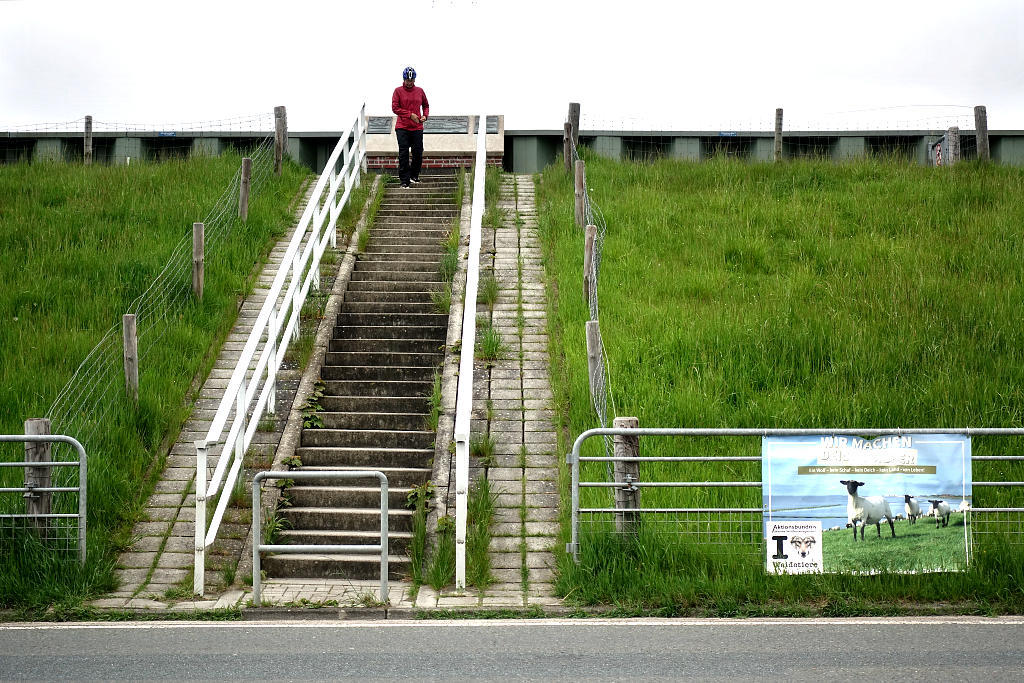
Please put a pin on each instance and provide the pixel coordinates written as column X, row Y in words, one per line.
column 77, row 246
column 868, row 294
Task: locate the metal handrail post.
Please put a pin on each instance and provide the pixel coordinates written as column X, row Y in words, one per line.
column 199, row 570
column 464, row 393
column 258, row 545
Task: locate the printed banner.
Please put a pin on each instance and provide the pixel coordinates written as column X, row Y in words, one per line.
column 794, row 547
column 894, row 503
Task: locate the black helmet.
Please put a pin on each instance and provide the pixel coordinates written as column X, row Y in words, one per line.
column 409, row 72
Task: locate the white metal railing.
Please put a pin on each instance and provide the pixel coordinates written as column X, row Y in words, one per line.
column 269, row 339
column 464, row 397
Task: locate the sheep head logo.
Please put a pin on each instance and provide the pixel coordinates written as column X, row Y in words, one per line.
column 802, row 544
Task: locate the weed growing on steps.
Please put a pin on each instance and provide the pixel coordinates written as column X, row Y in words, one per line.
column 487, row 292
column 441, row 567
column 490, row 347
column 483, row 448
column 479, row 516
column 311, row 407
column 434, row 403
column 419, row 500
column 273, row 525
column 442, row 298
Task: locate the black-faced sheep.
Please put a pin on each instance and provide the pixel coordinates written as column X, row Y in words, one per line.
column 942, row 512
column 870, row 510
column 911, row 507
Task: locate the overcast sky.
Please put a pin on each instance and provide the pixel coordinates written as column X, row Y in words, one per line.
column 642, row 64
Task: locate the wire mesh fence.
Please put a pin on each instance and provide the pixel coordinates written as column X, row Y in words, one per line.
column 93, row 395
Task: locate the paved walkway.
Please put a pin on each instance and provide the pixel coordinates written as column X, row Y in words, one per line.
column 512, row 403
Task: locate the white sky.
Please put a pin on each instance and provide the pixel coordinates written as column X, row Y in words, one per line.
column 723, row 65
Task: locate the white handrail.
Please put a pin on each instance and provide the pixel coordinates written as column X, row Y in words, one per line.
column 300, row 269
column 464, row 396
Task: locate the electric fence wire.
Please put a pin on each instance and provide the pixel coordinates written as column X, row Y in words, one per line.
column 600, row 391
column 86, row 402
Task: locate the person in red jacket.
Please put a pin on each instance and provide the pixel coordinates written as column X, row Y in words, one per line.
column 410, row 105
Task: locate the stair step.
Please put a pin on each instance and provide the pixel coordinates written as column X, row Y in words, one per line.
column 303, row 496
column 396, row 276
column 383, row 358
column 393, row 255
column 380, row 297
column 368, row 438
column 371, row 285
column 437, row 332
column 379, row 242
column 359, row 420
column 398, row 541
column 369, row 344
column 351, row 387
column 404, row 266
column 389, row 319
column 366, row 519
column 292, row 566
column 368, row 458
column 390, row 306
column 397, row 476
column 386, row 373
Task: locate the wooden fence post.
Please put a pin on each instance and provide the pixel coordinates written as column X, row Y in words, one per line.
column 87, row 142
column 626, row 473
column 567, row 146
column 198, row 259
column 981, row 129
column 574, row 119
column 595, row 358
column 37, row 504
column 580, row 194
column 589, row 285
column 243, row 189
column 953, row 145
column 280, row 137
column 131, row 356
column 778, row 135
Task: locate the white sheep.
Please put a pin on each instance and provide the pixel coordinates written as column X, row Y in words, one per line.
column 942, row 512
column 870, row 510
column 965, row 506
column 911, row 507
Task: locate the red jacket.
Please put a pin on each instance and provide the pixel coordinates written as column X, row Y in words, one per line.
column 405, row 102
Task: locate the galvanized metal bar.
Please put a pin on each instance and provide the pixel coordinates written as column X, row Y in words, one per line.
column 323, row 549
column 49, row 463
column 997, row 509
column 83, row 479
column 52, row 515
column 997, row 483
column 669, row 484
column 42, row 489
column 305, row 549
column 669, row 458
column 667, row 510
column 998, row 457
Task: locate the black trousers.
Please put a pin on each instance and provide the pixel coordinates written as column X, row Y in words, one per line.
column 409, row 140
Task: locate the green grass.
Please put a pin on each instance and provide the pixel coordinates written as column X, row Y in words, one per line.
column 479, row 517
column 916, row 547
column 810, row 294
column 78, row 245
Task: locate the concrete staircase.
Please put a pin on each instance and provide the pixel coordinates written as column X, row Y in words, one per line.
column 387, row 343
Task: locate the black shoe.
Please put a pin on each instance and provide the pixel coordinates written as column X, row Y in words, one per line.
column 414, row 181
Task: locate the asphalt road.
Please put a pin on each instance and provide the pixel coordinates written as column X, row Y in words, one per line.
column 925, row 649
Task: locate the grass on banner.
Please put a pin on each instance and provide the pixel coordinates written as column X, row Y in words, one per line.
column 811, row 294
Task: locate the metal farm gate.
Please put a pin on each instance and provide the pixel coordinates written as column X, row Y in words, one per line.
column 732, row 525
